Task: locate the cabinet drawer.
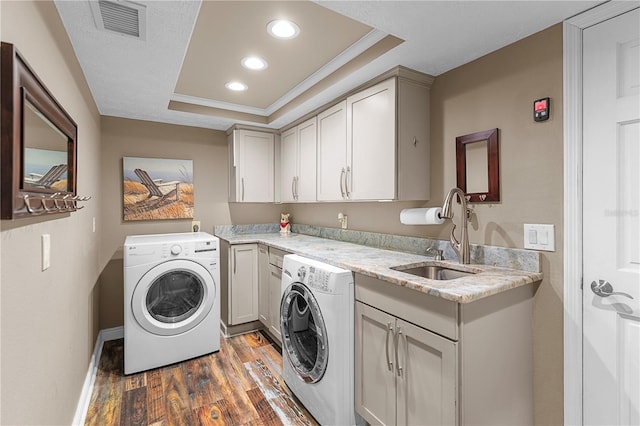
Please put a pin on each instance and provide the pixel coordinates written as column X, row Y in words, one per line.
column 275, row 256
column 437, row 315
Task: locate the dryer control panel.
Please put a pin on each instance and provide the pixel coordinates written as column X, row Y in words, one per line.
column 143, row 249
column 319, row 280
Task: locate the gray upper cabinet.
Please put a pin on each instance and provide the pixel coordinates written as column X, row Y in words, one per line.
column 375, row 144
column 332, row 153
column 372, row 145
column 251, row 166
column 298, row 163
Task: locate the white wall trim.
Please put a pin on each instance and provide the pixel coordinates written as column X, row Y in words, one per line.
column 572, row 112
column 572, row 249
column 85, row 396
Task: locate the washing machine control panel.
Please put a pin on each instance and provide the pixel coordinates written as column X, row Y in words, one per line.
column 145, row 249
column 207, row 249
column 318, row 279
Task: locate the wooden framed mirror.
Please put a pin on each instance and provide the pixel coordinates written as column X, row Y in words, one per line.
column 478, row 166
column 38, row 144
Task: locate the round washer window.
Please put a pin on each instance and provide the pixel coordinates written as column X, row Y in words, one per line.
column 174, row 296
column 304, row 335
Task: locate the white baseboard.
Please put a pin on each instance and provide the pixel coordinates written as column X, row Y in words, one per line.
column 236, row 330
column 111, row 334
column 85, row 396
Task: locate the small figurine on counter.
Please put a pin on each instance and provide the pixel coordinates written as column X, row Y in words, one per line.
column 285, row 226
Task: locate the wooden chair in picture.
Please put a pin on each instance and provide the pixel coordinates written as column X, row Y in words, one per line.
column 156, row 187
column 46, row 180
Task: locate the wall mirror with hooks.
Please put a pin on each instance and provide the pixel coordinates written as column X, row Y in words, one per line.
column 478, row 166
column 38, row 144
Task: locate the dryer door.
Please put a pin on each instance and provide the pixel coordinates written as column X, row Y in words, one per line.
column 173, row 297
column 304, row 335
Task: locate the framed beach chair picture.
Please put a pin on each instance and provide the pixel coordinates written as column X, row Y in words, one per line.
column 157, row 188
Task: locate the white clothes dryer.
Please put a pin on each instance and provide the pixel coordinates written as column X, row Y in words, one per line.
column 171, row 299
column 317, row 325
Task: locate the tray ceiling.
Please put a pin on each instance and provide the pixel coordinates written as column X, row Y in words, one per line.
column 176, row 71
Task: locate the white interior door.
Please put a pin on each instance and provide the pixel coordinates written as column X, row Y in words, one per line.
column 611, row 220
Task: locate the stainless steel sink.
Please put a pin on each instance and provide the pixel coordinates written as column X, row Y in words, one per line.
column 433, row 272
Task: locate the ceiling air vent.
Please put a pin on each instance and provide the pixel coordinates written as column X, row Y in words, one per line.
column 122, row 17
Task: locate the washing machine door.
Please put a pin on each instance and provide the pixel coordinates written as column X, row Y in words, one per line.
column 304, row 335
column 173, row 297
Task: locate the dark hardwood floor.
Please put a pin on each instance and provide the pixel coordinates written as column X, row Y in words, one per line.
column 239, row 385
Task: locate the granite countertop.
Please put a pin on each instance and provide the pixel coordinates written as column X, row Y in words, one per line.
column 376, row 262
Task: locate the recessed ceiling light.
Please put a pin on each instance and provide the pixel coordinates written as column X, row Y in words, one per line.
column 283, row 29
column 236, row 86
column 254, row 63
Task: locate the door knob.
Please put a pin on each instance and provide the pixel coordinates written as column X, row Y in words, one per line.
column 603, row 288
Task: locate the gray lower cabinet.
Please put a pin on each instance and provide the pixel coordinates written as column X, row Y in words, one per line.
column 243, row 284
column 263, row 280
column 269, row 289
column 404, row 373
column 275, row 283
column 238, row 287
column 423, row 360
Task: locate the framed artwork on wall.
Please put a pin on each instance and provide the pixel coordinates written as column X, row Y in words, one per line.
column 157, row 189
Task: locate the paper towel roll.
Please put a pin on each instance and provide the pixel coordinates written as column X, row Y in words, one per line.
column 426, row 216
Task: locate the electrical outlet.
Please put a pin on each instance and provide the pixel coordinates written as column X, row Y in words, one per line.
column 195, row 226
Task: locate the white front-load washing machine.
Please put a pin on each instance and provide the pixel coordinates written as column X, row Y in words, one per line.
column 317, row 325
column 171, row 299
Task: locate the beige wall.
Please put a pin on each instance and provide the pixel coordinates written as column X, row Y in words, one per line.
column 497, row 90
column 133, row 138
column 48, row 318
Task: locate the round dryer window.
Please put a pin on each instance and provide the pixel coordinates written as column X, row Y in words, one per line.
column 304, row 335
column 173, row 297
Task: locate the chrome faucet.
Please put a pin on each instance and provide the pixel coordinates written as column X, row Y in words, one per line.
column 461, row 247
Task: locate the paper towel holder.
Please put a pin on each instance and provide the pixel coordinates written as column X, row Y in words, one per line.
column 467, row 167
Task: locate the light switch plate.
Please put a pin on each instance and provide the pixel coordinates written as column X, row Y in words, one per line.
column 539, row 237
column 46, row 251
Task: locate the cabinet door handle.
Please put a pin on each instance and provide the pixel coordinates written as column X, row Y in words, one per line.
column 398, row 337
column 346, row 182
column 386, row 346
column 293, row 187
column 342, row 181
column 234, row 262
column 297, row 180
column 242, row 182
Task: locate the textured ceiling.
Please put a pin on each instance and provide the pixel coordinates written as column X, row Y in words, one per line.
column 191, row 48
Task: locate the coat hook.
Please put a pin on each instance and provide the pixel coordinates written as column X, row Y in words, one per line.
column 55, row 203
column 30, row 209
column 44, row 205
